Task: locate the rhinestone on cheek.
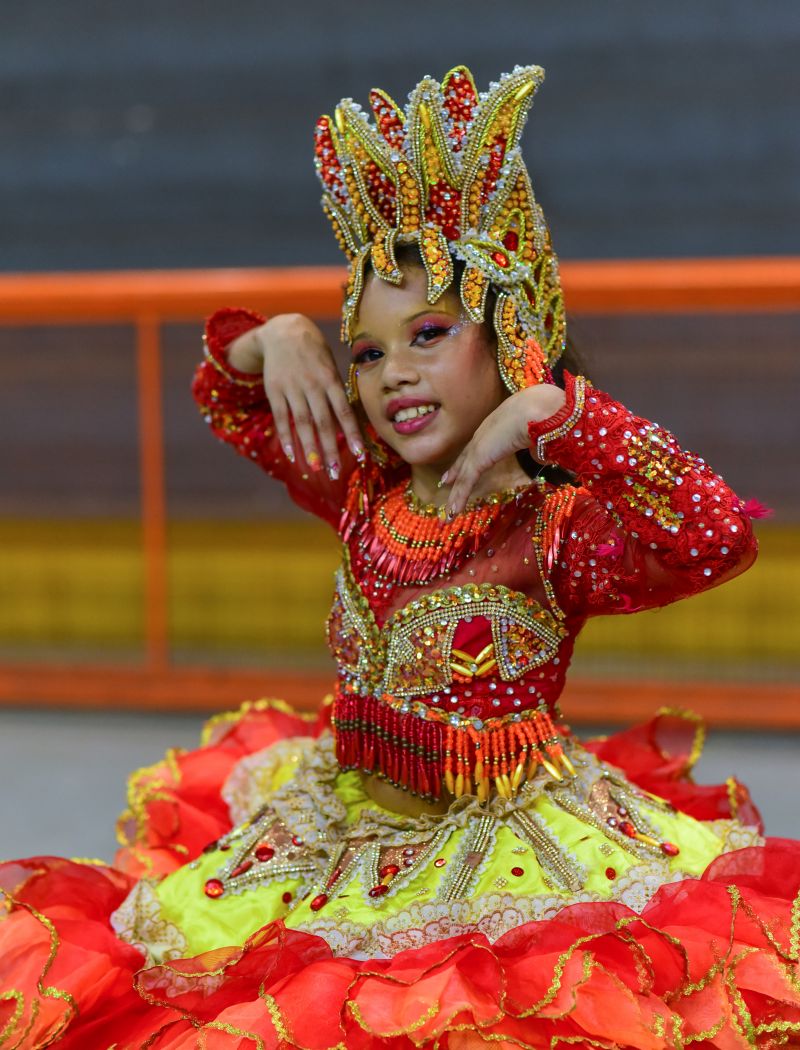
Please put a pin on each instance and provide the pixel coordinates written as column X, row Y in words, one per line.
column 517, row 872
column 611, row 873
column 213, row 888
column 286, row 897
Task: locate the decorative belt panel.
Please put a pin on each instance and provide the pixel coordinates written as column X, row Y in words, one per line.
column 425, row 750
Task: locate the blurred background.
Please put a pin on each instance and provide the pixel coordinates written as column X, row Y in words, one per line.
column 179, row 137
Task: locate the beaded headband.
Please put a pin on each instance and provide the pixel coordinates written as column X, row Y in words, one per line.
column 448, row 175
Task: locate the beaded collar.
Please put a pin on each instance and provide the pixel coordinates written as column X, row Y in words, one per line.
column 429, row 510
column 408, row 542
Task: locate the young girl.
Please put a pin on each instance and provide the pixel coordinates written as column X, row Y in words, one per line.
column 436, row 861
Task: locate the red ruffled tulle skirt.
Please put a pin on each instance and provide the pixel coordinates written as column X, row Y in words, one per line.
column 711, row 962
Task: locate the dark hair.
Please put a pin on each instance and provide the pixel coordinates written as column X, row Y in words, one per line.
column 407, row 254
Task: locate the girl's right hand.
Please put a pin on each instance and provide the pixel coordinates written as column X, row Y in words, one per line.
column 303, row 387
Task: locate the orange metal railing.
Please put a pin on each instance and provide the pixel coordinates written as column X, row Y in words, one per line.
column 147, row 300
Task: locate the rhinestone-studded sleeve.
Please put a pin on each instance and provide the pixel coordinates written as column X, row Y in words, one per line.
column 235, row 406
column 651, row 522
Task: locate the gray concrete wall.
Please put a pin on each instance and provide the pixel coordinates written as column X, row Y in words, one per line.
column 152, row 134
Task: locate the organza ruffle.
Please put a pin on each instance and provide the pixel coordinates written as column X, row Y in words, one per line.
column 659, row 756
column 176, row 807
column 711, row 962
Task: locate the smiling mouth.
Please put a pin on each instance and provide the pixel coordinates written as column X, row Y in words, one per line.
column 410, row 420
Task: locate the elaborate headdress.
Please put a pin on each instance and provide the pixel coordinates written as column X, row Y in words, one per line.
column 448, row 174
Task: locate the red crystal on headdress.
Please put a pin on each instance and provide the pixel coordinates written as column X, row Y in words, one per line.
column 511, row 240
column 444, row 208
column 388, row 117
column 382, row 191
column 264, row 852
column 497, row 151
column 500, row 259
column 460, row 100
column 329, row 167
column 319, row 901
column 213, row 888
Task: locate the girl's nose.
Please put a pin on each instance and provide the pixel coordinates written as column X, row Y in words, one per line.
column 400, row 367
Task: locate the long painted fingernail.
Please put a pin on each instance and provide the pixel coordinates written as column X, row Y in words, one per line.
column 333, row 471
column 358, row 452
column 314, row 461
column 443, row 479
column 288, row 451
column 450, row 513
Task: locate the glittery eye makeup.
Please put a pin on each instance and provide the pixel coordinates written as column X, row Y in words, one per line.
column 431, row 328
column 362, row 350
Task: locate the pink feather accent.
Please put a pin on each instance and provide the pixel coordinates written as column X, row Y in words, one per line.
column 611, row 550
column 753, row 508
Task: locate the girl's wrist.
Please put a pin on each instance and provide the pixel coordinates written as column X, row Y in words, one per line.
column 246, row 353
column 543, row 403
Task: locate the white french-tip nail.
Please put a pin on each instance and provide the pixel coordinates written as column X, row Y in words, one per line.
column 288, row 451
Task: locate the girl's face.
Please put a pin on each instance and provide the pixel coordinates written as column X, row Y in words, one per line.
column 427, row 378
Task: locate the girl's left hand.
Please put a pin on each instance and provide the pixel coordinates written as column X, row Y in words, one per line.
column 503, row 433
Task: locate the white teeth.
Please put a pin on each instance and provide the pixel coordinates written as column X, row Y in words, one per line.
column 411, row 413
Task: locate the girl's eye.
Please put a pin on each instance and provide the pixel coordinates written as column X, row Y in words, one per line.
column 429, row 333
column 369, row 353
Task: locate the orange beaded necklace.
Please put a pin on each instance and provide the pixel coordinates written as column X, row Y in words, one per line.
column 410, row 542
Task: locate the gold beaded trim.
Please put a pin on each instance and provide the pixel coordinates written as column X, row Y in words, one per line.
column 579, row 393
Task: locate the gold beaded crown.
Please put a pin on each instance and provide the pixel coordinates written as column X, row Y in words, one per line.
column 448, row 175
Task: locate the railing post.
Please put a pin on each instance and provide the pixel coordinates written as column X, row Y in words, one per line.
column 152, row 490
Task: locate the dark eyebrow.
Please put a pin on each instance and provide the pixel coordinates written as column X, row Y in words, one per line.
column 406, row 320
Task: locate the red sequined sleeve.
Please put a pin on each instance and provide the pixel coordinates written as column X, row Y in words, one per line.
column 651, row 522
column 235, row 406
